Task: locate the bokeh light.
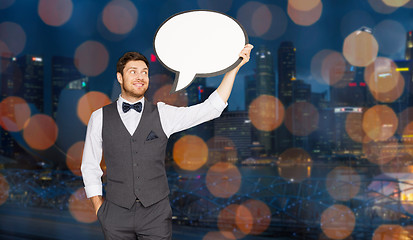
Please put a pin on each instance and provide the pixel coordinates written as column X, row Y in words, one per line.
column 266, row 113
column 390, row 44
column 380, row 122
column 360, row 48
column 301, row 118
column 381, row 76
column 390, row 232
column 261, row 20
column 4, row 51
column 91, row 58
column 278, row 24
column 221, row 149
column 74, row 157
column 14, row 112
column 380, row 7
column 13, row 35
column 190, row 152
column 395, row 3
column 4, row 189
column 338, row 221
column 231, row 218
column 218, row 5
column 81, row 207
column 343, row 183
column 179, row 99
column 261, row 216
column 89, row 103
column 405, row 117
column 6, row 3
column 294, row 164
column 55, row 12
column 214, row 236
column 120, row 16
column 223, row 179
column 354, row 128
column 305, row 17
column 333, row 68
column 381, row 152
column 304, row 5
column 41, row 132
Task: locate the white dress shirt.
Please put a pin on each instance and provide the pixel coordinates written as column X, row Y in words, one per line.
column 173, row 119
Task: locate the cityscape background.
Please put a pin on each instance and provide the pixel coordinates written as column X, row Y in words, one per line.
column 316, row 143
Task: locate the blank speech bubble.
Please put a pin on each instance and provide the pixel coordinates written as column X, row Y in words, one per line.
column 199, row 43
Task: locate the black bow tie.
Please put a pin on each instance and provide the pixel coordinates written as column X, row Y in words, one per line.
column 126, row 106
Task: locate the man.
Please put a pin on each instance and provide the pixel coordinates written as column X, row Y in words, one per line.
column 132, row 134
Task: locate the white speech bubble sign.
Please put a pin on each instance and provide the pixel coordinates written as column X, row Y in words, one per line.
column 199, row 43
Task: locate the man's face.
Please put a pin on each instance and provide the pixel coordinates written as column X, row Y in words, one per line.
column 135, row 80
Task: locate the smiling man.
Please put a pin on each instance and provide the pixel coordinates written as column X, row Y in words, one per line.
column 132, row 133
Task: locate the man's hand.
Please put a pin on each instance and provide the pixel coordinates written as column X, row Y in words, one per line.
column 225, row 88
column 96, row 202
column 245, row 54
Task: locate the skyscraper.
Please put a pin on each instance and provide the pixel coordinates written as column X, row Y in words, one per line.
column 286, row 72
column 409, row 46
column 64, row 74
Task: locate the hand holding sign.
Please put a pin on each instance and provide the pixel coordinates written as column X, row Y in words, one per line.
column 199, row 44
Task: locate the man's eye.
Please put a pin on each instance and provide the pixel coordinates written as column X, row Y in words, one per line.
column 133, row 72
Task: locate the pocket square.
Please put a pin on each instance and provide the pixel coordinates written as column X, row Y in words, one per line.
column 152, row 135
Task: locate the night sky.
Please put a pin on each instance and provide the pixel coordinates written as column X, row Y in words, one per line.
column 338, row 19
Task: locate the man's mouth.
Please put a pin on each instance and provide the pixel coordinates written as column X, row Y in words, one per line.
column 138, row 84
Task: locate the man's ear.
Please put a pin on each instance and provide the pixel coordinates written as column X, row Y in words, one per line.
column 119, row 77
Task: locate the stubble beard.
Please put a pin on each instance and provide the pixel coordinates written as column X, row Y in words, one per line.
column 132, row 93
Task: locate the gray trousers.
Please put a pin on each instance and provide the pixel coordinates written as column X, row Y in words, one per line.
column 153, row 222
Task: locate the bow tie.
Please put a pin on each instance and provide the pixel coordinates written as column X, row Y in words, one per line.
column 126, row 107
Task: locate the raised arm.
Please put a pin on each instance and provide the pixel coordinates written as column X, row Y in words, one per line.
column 225, row 88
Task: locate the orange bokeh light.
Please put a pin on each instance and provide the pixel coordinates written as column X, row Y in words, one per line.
column 234, row 221
column 91, row 58
column 354, row 128
column 380, row 122
column 13, row 35
column 81, row 208
column 304, row 5
column 399, row 167
column 337, row 222
column 261, row 20
column 120, row 16
column 190, row 152
column 223, row 179
column 215, row 236
column 4, row 189
column 301, row 118
column 266, row 113
column 40, row 132
column 14, row 112
column 360, row 48
column 55, row 12
column 343, row 183
column 333, row 68
column 74, row 157
column 390, row 232
column 89, row 103
column 381, row 152
column 261, row 216
column 294, row 164
column 305, row 17
column 396, row 3
column 385, row 83
column 179, row 99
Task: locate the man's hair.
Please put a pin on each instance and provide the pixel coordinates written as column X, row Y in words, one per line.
column 130, row 56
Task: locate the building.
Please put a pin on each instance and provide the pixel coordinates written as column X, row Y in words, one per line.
column 65, row 75
column 234, row 127
column 286, row 72
column 409, row 46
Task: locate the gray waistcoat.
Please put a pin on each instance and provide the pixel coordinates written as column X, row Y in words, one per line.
column 135, row 164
